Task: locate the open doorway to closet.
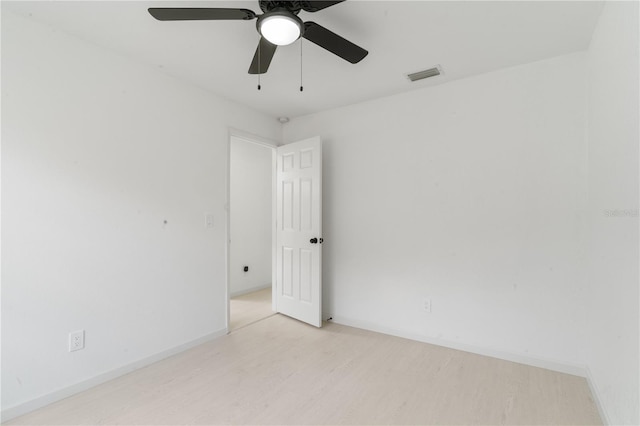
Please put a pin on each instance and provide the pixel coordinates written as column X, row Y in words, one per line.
column 251, row 167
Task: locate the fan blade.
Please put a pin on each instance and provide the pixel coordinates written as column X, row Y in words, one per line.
column 333, row 43
column 314, row 6
column 262, row 58
column 200, row 14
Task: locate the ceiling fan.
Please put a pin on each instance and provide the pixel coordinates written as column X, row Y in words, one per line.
column 279, row 25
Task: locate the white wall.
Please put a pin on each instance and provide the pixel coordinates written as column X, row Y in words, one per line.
column 108, row 170
column 613, row 211
column 250, row 217
column 470, row 193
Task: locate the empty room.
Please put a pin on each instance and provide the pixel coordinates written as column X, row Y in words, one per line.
column 320, row 212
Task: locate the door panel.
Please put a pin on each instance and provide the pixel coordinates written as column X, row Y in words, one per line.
column 306, row 275
column 287, row 267
column 306, row 205
column 288, row 215
column 299, row 222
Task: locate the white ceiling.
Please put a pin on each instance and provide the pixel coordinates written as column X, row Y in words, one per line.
column 464, row 37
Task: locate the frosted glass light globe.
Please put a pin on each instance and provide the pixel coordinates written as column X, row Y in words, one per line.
column 280, row 30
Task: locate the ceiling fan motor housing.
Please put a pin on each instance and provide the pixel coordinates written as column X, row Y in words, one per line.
column 269, row 5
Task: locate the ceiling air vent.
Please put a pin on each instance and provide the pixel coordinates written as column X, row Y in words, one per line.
column 420, row 75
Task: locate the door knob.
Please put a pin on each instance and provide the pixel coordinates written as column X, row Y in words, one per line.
column 313, row 241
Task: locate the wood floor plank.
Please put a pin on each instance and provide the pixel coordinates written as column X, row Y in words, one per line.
column 249, row 308
column 281, row 371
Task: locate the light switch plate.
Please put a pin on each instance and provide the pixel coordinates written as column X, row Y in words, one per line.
column 208, row 220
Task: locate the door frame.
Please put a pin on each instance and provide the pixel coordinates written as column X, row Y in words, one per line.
column 272, row 145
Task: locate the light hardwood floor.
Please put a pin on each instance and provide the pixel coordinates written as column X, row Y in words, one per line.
column 280, row 371
column 249, row 308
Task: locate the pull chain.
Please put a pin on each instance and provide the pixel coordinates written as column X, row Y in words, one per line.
column 301, row 88
column 259, row 62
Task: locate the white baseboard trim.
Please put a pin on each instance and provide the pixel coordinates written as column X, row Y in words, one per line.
column 576, row 370
column 29, row 406
column 250, row 290
column 596, row 397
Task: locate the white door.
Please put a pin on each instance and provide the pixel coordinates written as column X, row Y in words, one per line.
column 299, row 230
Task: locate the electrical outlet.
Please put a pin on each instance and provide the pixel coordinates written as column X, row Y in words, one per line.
column 208, row 220
column 427, row 305
column 76, row 340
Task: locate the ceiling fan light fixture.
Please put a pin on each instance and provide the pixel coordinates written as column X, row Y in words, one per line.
column 280, row 27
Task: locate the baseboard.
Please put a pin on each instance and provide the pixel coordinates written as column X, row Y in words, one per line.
column 27, row 407
column 576, row 370
column 596, row 397
column 249, row 290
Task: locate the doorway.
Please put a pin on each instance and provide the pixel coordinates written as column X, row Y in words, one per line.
column 250, row 230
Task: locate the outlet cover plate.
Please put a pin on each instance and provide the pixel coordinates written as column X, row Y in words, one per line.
column 76, row 340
